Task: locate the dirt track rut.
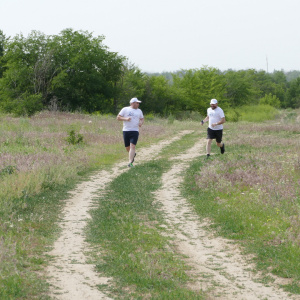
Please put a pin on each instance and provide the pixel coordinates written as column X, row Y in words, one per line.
column 217, row 265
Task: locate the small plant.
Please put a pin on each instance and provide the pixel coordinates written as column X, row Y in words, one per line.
column 171, row 119
column 74, row 138
column 8, row 170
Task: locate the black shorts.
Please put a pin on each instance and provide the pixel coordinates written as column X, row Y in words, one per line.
column 215, row 134
column 130, row 137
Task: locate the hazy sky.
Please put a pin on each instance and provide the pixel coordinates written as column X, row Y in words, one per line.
column 169, row 35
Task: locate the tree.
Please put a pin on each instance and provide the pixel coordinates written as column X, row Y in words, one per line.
column 293, row 94
column 199, row 86
column 87, row 72
column 2, row 47
column 161, row 97
column 271, row 100
column 17, row 82
column 74, row 67
column 132, row 83
column 238, row 89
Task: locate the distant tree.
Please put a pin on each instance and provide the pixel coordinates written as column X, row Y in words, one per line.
column 271, row 100
column 199, row 86
column 293, row 94
column 132, row 83
column 2, row 47
column 74, row 68
column 280, row 85
column 291, row 75
column 161, row 97
column 17, row 82
column 87, row 71
column 238, row 89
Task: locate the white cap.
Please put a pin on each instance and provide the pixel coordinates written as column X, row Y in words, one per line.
column 213, row 101
column 135, row 100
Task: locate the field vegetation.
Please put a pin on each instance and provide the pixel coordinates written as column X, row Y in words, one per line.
column 41, row 159
column 250, row 194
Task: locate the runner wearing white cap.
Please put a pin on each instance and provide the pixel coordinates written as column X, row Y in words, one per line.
column 132, row 118
column 216, row 119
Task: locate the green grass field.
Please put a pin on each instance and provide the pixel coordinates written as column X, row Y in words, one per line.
column 251, row 195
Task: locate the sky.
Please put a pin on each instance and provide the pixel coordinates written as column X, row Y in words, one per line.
column 170, row 35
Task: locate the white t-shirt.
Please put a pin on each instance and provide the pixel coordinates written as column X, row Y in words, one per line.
column 135, row 114
column 215, row 116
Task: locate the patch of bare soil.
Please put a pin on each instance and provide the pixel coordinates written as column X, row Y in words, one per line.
column 70, row 276
column 217, row 264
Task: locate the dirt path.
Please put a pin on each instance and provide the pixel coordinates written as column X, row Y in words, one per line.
column 70, row 276
column 217, row 265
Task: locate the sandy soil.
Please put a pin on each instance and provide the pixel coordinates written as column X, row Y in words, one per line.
column 217, row 264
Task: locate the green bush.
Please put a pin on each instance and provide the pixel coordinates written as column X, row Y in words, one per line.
column 257, row 113
column 189, row 115
column 150, row 117
column 25, row 105
column 8, row 170
column 232, row 115
column 171, row 119
column 74, row 139
column 271, row 100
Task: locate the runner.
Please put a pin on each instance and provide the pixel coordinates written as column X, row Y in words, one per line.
column 132, row 118
column 216, row 118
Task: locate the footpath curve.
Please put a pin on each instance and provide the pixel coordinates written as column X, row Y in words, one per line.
column 70, row 276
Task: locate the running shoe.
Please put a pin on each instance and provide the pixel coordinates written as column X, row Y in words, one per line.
column 133, row 157
column 130, row 165
column 222, row 148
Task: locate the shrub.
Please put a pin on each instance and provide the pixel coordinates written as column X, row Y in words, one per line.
column 150, row 117
column 8, row 170
column 189, row 115
column 271, row 100
column 171, row 119
column 232, row 115
column 257, row 113
column 74, row 139
column 25, row 105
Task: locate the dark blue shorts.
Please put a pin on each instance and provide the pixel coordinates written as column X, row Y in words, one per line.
column 215, row 134
column 130, row 137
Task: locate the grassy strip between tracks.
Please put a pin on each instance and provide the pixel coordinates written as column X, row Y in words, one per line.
column 127, row 226
column 251, row 194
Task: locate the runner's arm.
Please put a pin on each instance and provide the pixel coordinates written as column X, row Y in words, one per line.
column 205, row 120
column 141, row 122
column 120, row 118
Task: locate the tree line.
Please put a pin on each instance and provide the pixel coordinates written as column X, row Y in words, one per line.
column 76, row 71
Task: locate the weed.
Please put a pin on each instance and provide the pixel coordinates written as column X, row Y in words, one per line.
column 8, row 170
column 74, row 138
